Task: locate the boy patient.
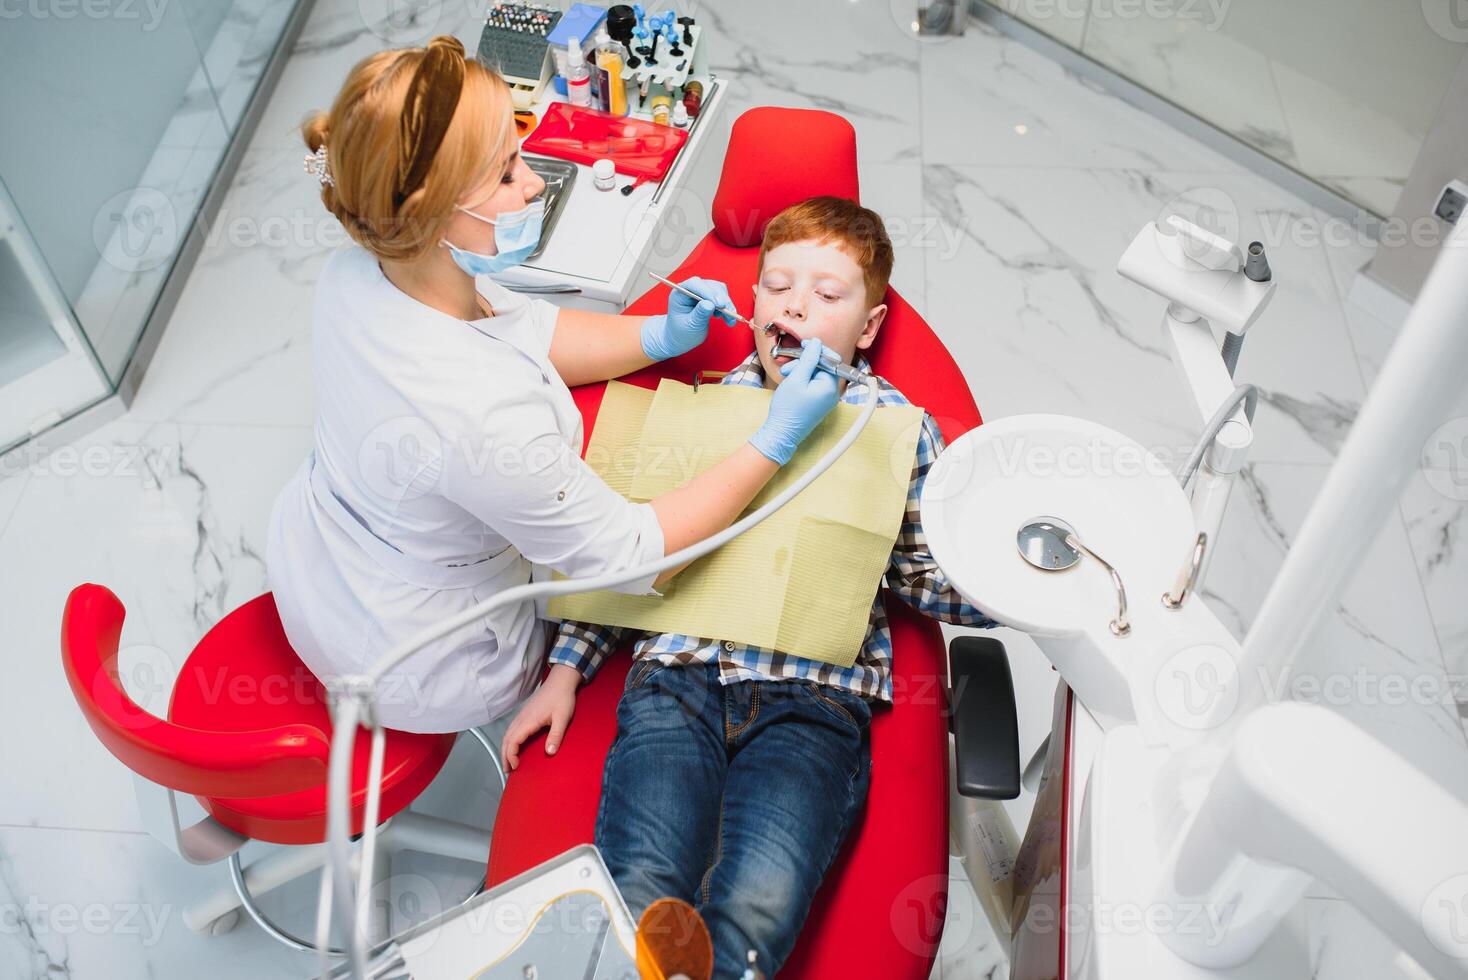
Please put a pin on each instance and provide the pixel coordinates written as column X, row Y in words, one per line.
column 737, row 770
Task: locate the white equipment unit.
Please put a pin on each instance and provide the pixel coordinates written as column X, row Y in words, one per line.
column 1181, row 816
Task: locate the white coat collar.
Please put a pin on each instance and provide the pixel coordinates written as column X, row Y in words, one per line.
column 509, row 324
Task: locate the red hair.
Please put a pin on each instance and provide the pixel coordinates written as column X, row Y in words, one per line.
column 856, row 230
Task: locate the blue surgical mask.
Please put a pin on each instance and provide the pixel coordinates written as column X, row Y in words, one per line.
column 516, row 234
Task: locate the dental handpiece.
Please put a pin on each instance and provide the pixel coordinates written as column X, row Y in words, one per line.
column 829, row 361
column 688, row 292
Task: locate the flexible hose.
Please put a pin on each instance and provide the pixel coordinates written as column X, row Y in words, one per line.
column 1232, row 344
column 1247, row 394
column 351, row 706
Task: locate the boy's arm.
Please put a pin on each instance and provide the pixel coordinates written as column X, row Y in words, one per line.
column 912, row 573
column 586, row 646
column 579, row 649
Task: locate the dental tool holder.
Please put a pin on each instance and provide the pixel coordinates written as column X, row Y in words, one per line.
column 1198, row 271
column 667, row 73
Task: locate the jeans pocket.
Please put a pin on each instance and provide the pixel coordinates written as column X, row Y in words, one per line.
column 844, row 707
column 640, row 672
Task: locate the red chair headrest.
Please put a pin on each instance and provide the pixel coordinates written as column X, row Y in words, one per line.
column 778, row 157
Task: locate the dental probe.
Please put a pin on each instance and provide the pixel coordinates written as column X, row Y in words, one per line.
column 829, row 361
column 688, row 292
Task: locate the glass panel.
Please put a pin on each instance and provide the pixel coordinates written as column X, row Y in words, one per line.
column 122, row 137
column 47, row 370
column 1341, row 90
column 1064, row 20
column 27, row 340
column 116, row 116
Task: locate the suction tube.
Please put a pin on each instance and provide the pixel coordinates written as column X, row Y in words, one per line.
column 353, row 701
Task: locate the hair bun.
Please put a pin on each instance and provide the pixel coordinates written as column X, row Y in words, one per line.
column 314, row 130
column 447, row 41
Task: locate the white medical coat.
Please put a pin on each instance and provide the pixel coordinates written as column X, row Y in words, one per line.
column 446, row 465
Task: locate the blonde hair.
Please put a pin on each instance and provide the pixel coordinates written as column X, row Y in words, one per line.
column 367, row 152
column 858, row 231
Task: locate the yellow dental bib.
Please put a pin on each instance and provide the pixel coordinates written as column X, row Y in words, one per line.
column 803, row 581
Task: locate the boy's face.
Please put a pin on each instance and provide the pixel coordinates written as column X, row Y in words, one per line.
column 809, row 289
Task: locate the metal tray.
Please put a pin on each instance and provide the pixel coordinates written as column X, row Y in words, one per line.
column 558, row 175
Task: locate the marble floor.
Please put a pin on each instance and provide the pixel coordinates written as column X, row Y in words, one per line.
column 1010, row 187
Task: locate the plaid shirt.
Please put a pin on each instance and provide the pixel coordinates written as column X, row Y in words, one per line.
column 911, row 574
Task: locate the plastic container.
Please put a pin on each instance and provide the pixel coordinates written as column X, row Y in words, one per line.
column 578, row 76
column 662, row 109
column 693, row 97
column 604, row 174
column 611, row 89
column 680, row 115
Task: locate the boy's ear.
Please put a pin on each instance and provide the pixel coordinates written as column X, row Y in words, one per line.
column 873, row 326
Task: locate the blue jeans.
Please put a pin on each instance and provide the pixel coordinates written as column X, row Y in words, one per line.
column 733, row 798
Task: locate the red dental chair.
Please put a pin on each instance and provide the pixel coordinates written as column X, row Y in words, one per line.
column 880, row 911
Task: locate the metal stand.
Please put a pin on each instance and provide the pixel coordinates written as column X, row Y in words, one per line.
column 405, row 831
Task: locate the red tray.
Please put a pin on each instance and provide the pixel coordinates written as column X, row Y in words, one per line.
column 636, row 147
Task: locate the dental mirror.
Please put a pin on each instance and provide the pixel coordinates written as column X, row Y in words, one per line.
column 1042, row 543
column 1052, row 545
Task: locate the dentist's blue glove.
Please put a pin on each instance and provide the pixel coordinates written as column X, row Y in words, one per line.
column 805, row 397
column 686, row 323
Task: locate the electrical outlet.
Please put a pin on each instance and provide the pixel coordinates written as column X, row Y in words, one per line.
column 1452, row 201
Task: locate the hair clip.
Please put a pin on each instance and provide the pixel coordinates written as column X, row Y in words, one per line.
column 316, row 166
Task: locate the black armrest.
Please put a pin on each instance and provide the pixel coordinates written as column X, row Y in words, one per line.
column 985, row 728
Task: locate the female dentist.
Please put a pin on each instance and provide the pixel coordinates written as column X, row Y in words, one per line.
column 446, row 456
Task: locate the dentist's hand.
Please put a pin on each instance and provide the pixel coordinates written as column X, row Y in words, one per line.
column 551, row 705
column 805, row 397
column 686, row 323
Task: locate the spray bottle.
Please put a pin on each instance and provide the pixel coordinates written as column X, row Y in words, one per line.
column 578, row 76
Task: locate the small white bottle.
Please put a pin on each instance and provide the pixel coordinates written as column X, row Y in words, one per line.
column 578, row 76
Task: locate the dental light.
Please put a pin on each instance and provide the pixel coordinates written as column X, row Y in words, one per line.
column 353, row 697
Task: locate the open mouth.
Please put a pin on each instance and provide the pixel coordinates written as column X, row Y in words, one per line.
column 783, row 337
